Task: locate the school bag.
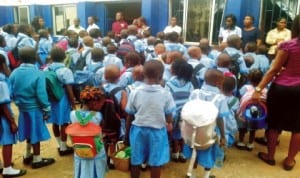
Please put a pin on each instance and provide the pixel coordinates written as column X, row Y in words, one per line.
column 112, row 113
column 124, row 48
column 13, row 56
column 81, row 62
column 180, row 96
column 85, row 135
column 69, row 58
column 86, row 77
column 199, row 122
column 197, row 83
column 54, row 87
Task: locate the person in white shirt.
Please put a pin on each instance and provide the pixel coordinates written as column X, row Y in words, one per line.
column 173, row 27
column 92, row 20
column 230, row 28
column 76, row 26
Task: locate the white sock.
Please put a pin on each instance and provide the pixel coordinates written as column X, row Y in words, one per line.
column 206, row 174
column 9, row 170
column 175, row 155
column 37, row 158
column 111, row 161
column 63, row 146
column 58, row 140
column 27, row 150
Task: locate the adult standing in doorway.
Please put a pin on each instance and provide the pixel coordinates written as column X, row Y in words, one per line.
column 230, row 28
column 38, row 23
column 250, row 33
column 142, row 25
column 173, row 27
column 277, row 36
column 283, row 98
column 119, row 24
column 92, row 20
column 76, row 26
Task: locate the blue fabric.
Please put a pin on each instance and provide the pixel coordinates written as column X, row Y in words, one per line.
column 126, row 78
column 205, row 158
column 32, row 126
column 60, row 111
column 6, row 137
column 32, row 94
column 242, row 65
column 149, row 145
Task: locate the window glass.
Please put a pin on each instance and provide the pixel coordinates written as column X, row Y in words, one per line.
column 21, row 15
column 63, row 17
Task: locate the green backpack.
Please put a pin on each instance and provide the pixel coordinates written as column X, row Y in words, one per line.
column 54, row 88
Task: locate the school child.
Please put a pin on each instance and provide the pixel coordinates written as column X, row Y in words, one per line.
column 262, row 59
column 174, row 45
column 96, row 166
column 181, row 87
column 34, row 108
column 170, row 58
column 132, row 59
column 138, row 78
column 250, row 55
column 8, row 126
column 60, row 110
column 44, row 47
column 111, row 74
column 211, row 89
column 152, row 107
column 97, row 66
column 95, row 33
column 111, row 57
column 72, row 54
column 233, row 103
column 2, row 49
column 246, row 92
column 149, row 52
column 88, row 44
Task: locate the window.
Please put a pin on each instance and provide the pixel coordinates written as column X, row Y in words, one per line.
column 21, row 15
column 63, row 16
column 199, row 18
column 274, row 9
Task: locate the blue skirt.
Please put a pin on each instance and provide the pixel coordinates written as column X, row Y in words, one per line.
column 6, row 137
column 205, row 158
column 32, row 126
column 149, row 145
column 60, row 111
column 90, row 168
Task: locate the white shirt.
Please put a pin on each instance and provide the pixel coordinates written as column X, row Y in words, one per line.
column 225, row 33
column 76, row 29
column 91, row 27
column 170, row 29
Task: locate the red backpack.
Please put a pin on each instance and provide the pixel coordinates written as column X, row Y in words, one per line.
column 13, row 56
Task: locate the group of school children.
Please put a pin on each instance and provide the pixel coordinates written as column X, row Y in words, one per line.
column 156, row 81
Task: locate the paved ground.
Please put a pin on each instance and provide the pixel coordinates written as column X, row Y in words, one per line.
column 238, row 164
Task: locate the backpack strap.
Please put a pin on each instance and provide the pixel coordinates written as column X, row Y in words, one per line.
column 215, row 98
column 84, row 120
column 232, row 102
column 19, row 41
column 116, row 90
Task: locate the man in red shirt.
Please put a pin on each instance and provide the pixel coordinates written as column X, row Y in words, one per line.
column 119, row 24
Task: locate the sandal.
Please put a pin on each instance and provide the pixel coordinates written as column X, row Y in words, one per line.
column 263, row 156
column 288, row 167
column 44, row 162
column 21, row 173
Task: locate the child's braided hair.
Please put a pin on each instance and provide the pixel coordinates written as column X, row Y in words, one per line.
column 93, row 97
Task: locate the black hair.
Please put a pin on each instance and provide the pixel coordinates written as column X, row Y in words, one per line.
column 255, row 76
column 57, row 54
column 182, row 69
column 111, row 48
column 8, row 28
column 153, row 69
column 95, row 18
column 73, row 42
column 251, row 17
column 251, row 46
column 173, row 36
column 229, row 84
column 233, row 18
column 2, row 41
column 132, row 58
column 95, row 33
column 43, row 33
column 97, row 54
column 27, row 55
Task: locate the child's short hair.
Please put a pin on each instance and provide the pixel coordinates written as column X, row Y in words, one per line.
column 262, row 49
column 111, row 34
column 73, row 42
column 27, row 55
column 151, row 40
column 57, row 54
column 249, row 60
column 194, row 52
column 97, row 54
column 160, row 37
column 213, row 77
column 182, row 69
column 112, row 73
column 88, row 41
column 124, row 34
column 173, row 37
column 111, row 48
column 72, row 34
column 146, row 34
column 255, row 76
column 132, row 59
column 2, row 41
column 234, row 41
column 83, row 33
column 43, row 33
column 95, row 33
column 138, row 73
column 172, row 56
column 132, row 30
column 106, row 40
column 224, row 60
column 251, row 47
column 229, row 84
column 153, row 69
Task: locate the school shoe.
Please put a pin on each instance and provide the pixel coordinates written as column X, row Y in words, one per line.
column 181, row 158
column 250, row 146
column 240, row 146
column 68, row 151
column 28, row 160
column 44, row 162
column 21, row 173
